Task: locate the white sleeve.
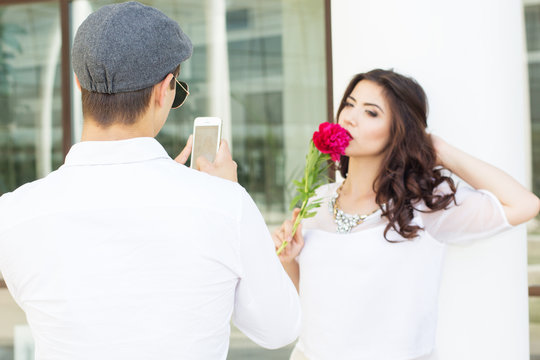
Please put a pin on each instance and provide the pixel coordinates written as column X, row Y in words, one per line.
column 267, row 307
column 478, row 214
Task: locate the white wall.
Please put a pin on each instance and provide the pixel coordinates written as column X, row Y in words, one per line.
column 470, row 58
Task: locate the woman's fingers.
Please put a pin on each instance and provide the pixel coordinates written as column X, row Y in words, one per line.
column 295, row 213
column 298, row 238
column 277, row 237
column 284, row 233
column 287, row 230
column 281, row 235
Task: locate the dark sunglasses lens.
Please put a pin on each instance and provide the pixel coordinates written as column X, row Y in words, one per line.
column 180, row 95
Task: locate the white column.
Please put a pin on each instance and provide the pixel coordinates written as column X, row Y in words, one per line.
column 80, row 9
column 217, row 63
column 44, row 124
column 304, row 95
column 470, row 58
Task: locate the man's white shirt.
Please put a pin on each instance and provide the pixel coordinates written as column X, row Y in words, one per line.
column 122, row 253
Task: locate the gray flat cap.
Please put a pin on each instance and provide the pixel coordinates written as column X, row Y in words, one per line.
column 127, row 47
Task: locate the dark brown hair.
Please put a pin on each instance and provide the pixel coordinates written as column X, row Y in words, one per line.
column 408, row 171
column 124, row 108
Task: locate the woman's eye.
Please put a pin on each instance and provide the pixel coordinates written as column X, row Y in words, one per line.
column 348, row 104
column 371, row 113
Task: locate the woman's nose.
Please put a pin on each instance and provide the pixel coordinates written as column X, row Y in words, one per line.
column 348, row 120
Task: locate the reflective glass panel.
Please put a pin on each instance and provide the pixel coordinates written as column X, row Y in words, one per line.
column 268, row 88
column 30, row 125
column 260, row 66
column 532, row 24
column 30, row 94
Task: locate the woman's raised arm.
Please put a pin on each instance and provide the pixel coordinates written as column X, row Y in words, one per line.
column 519, row 204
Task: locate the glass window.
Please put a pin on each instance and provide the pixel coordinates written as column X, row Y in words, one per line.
column 259, row 65
column 30, row 93
column 534, row 92
column 274, row 93
column 30, row 120
column 532, row 25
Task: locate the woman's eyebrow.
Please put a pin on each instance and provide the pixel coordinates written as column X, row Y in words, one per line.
column 370, row 104
column 350, row 97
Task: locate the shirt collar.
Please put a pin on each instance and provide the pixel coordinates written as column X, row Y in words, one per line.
column 115, row 152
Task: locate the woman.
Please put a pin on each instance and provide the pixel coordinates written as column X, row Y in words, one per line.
column 369, row 269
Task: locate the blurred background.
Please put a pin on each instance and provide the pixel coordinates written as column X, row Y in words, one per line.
column 264, row 67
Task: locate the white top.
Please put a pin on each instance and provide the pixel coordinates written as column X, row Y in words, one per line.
column 123, row 253
column 365, row 298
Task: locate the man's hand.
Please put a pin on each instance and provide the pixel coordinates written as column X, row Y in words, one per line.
column 223, row 166
column 184, row 155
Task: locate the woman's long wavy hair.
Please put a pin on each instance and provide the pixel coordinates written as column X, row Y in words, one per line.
column 408, row 171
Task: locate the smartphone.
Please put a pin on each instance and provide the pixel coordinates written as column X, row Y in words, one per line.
column 206, row 139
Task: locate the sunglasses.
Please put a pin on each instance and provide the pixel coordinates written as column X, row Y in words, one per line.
column 180, row 96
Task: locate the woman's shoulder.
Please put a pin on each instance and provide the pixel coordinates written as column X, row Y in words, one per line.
column 324, row 193
column 440, row 190
column 322, row 218
column 328, row 189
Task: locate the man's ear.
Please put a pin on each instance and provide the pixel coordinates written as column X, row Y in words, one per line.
column 77, row 81
column 161, row 90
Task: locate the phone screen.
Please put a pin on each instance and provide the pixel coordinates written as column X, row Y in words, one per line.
column 206, row 142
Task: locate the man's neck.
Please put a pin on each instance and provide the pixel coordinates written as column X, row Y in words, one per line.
column 93, row 131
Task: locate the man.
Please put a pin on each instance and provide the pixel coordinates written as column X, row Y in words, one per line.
column 123, row 253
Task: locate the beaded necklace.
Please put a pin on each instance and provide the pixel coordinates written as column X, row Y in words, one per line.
column 345, row 222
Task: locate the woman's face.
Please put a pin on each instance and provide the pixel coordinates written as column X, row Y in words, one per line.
column 367, row 117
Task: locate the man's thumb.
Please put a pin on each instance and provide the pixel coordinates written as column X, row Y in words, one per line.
column 203, row 164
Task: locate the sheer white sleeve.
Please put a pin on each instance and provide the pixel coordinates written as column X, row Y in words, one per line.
column 478, row 214
column 323, row 219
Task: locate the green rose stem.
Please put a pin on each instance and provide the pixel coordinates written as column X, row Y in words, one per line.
column 317, row 165
column 295, row 226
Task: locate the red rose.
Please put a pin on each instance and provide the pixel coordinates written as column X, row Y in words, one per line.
column 331, row 139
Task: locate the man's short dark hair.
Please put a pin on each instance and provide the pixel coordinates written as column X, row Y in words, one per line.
column 119, row 108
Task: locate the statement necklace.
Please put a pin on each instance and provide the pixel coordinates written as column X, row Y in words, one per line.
column 345, row 222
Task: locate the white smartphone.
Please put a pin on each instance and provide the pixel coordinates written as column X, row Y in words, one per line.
column 206, row 139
